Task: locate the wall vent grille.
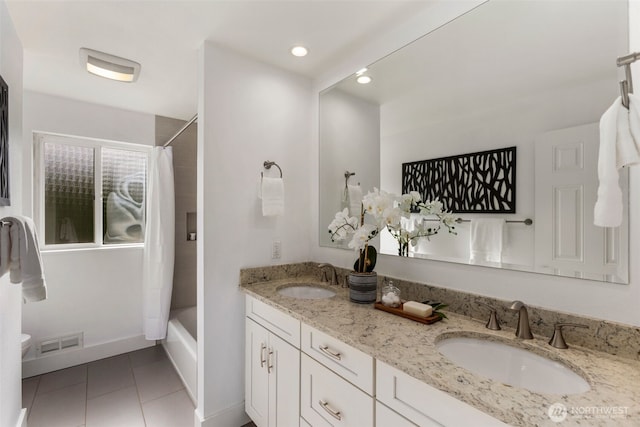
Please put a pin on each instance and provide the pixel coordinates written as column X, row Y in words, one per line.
column 54, row 345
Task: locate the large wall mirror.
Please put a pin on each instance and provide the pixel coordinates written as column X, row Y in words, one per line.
column 535, row 75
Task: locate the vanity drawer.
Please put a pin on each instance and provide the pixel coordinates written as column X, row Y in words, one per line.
column 326, row 400
column 385, row 417
column 281, row 324
column 346, row 361
column 424, row 405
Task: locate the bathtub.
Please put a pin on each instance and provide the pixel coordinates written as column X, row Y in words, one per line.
column 181, row 346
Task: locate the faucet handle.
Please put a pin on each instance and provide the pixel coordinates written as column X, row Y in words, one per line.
column 324, row 277
column 557, row 340
column 493, row 322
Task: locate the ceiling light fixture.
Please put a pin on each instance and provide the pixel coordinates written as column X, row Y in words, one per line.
column 363, row 80
column 109, row 66
column 299, row 51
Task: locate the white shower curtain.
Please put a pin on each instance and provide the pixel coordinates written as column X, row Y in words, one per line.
column 159, row 247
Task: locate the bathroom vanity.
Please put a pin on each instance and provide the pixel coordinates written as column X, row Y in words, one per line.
column 350, row 365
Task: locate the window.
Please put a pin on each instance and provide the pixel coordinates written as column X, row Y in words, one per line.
column 72, row 171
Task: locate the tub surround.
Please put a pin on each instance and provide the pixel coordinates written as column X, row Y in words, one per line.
column 410, row 346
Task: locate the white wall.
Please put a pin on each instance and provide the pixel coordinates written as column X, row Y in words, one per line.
column 11, row 294
column 563, row 294
column 248, row 112
column 351, row 133
column 514, row 123
column 95, row 291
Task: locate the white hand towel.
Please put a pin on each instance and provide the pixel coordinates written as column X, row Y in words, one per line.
column 619, row 136
column 485, row 242
column 5, row 249
column 272, row 191
column 355, row 199
column 26, row 264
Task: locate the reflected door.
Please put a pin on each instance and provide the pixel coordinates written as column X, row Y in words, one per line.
column 566, row 240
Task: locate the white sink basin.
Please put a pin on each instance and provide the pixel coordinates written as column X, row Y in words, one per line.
column 304, row 291
column 512, row 366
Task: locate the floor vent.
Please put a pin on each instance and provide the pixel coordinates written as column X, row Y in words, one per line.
column 53, row 345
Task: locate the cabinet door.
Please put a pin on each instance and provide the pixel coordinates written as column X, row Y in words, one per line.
column 326, row 400
column 256, row 375
column 284, row 383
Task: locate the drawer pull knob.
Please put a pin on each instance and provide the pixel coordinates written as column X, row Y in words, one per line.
column 333, row 413
column 263, row 360
column 331, row 353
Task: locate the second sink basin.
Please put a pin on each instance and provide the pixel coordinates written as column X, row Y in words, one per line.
column 303, row 291
column 513, row 366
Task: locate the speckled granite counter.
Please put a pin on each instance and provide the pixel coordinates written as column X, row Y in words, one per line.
column 410, row 347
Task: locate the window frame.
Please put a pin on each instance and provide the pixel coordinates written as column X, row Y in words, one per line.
column 97, row 144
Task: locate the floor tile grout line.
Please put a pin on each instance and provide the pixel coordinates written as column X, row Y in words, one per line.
column 86, row 397
column 167, row 394
column 135, row 382
column 35, row 393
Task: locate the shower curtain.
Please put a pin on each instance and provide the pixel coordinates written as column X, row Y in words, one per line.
column 159, row 247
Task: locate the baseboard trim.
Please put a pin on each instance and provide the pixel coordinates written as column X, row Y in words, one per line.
column 66, row 359
column 233, row 416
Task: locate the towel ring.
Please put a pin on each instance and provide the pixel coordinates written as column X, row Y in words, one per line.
column 267, row 165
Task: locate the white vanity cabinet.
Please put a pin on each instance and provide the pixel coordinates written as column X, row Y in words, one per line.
column 422, row 404
column 272, row 366
column 298, row 376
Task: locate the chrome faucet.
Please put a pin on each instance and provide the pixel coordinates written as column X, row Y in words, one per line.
column 334, row 273
column 524, row 330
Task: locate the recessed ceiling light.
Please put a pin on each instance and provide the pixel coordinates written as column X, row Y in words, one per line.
column 361, row 71
column 363, row 80
column 299, row 51
column 109, row 66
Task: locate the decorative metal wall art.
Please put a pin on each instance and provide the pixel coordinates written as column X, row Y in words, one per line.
column 482, row 182
column 4, row 143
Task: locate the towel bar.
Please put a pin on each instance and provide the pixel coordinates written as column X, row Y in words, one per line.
column 526, row 221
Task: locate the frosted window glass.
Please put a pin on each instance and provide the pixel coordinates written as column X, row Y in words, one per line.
column 123, row 194
column 69, row 194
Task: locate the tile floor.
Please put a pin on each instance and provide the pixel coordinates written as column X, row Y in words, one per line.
column 138, row 389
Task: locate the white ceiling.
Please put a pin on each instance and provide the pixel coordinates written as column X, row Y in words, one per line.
column 498, row 51
column 165, row 36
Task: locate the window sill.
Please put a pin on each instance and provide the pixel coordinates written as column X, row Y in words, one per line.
column 54, row 250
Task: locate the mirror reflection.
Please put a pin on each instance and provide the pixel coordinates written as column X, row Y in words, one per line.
column 536, row 76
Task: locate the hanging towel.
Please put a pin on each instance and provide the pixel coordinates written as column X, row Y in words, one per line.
column 272, row 194
column 5, row 249
column 485, row 241
column 26, row 264
column 354, row 199
column 619, row 137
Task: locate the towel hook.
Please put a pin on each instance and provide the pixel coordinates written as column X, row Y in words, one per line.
column 267, row 165
column 347, row 175
column 626, row 86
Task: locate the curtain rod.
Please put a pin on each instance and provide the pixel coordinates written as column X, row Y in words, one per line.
column 182, row 129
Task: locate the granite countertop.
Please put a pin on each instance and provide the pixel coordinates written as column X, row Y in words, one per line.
column 411, row 347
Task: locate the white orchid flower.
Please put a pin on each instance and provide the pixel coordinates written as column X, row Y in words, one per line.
column 342, row 225
column 362, row 236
